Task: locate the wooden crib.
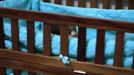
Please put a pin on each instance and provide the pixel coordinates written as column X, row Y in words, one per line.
column 46, row 63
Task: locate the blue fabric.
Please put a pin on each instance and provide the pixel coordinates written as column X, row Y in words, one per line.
column 125, row 15
column 23, row 4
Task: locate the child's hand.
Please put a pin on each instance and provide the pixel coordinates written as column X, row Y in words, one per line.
column 73, row 34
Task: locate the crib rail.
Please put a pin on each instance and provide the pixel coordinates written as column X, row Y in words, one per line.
column 104, row 24
column 64, row 22
column 40, row 63
column 114, row 4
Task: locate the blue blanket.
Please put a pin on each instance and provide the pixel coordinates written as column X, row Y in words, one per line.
column 125, row 15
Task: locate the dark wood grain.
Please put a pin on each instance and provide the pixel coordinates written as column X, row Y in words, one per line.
column 118, row 4
column 73, row 20
column 39, row 61
column 93, row 3
column 99, row 58
column 45, row 70
column 15, row 34
column 81, row 44
column 58, row 1
column 2, row 44
column 30, row 36
column 118, row 55
column 30, row 39
column 31, row 73
column 64, row 32
column 81, row 3
column 46, row 0
column 106, row 4
column 70, row 2
column 2, row 70
column 131, row 4
column 15, row 39
column 47, row 39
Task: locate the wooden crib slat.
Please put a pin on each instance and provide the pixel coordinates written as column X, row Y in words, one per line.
column 131, row 4
column 93, row 3
column 99, row 58
column 2, row 71
column 81, row 44
column 106, row 4
column 15, row 39
column 81, row 3
column 15, row 34
column 58, row 1
column 30, row 39
column 16, row 72
column 46, row 0
column 64, row 39
column 31, row 73
column 118, row 55
column 70, row 2
column 30, row 36
column 118, row 4
column 2, row 45
column 47, row 39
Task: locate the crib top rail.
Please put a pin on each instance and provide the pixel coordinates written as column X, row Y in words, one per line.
column 102, row 24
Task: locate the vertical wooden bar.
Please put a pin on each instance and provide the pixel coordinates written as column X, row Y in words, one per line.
column 106, row 4
column 131, row 4
column 2, row 44
column 58, row 1
column 30, row 39
column 64, row 31
column 81, row 3
column 30, row 36
column 30, row 73
column 93, row 3
column 118, row 55
column 99, row 58
column 47, row 39
column 70, row 2
column 15, row 34
column 15, row 39
column 2, row 71
column 81, row 44
column 118, row 4
column 46, row 0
